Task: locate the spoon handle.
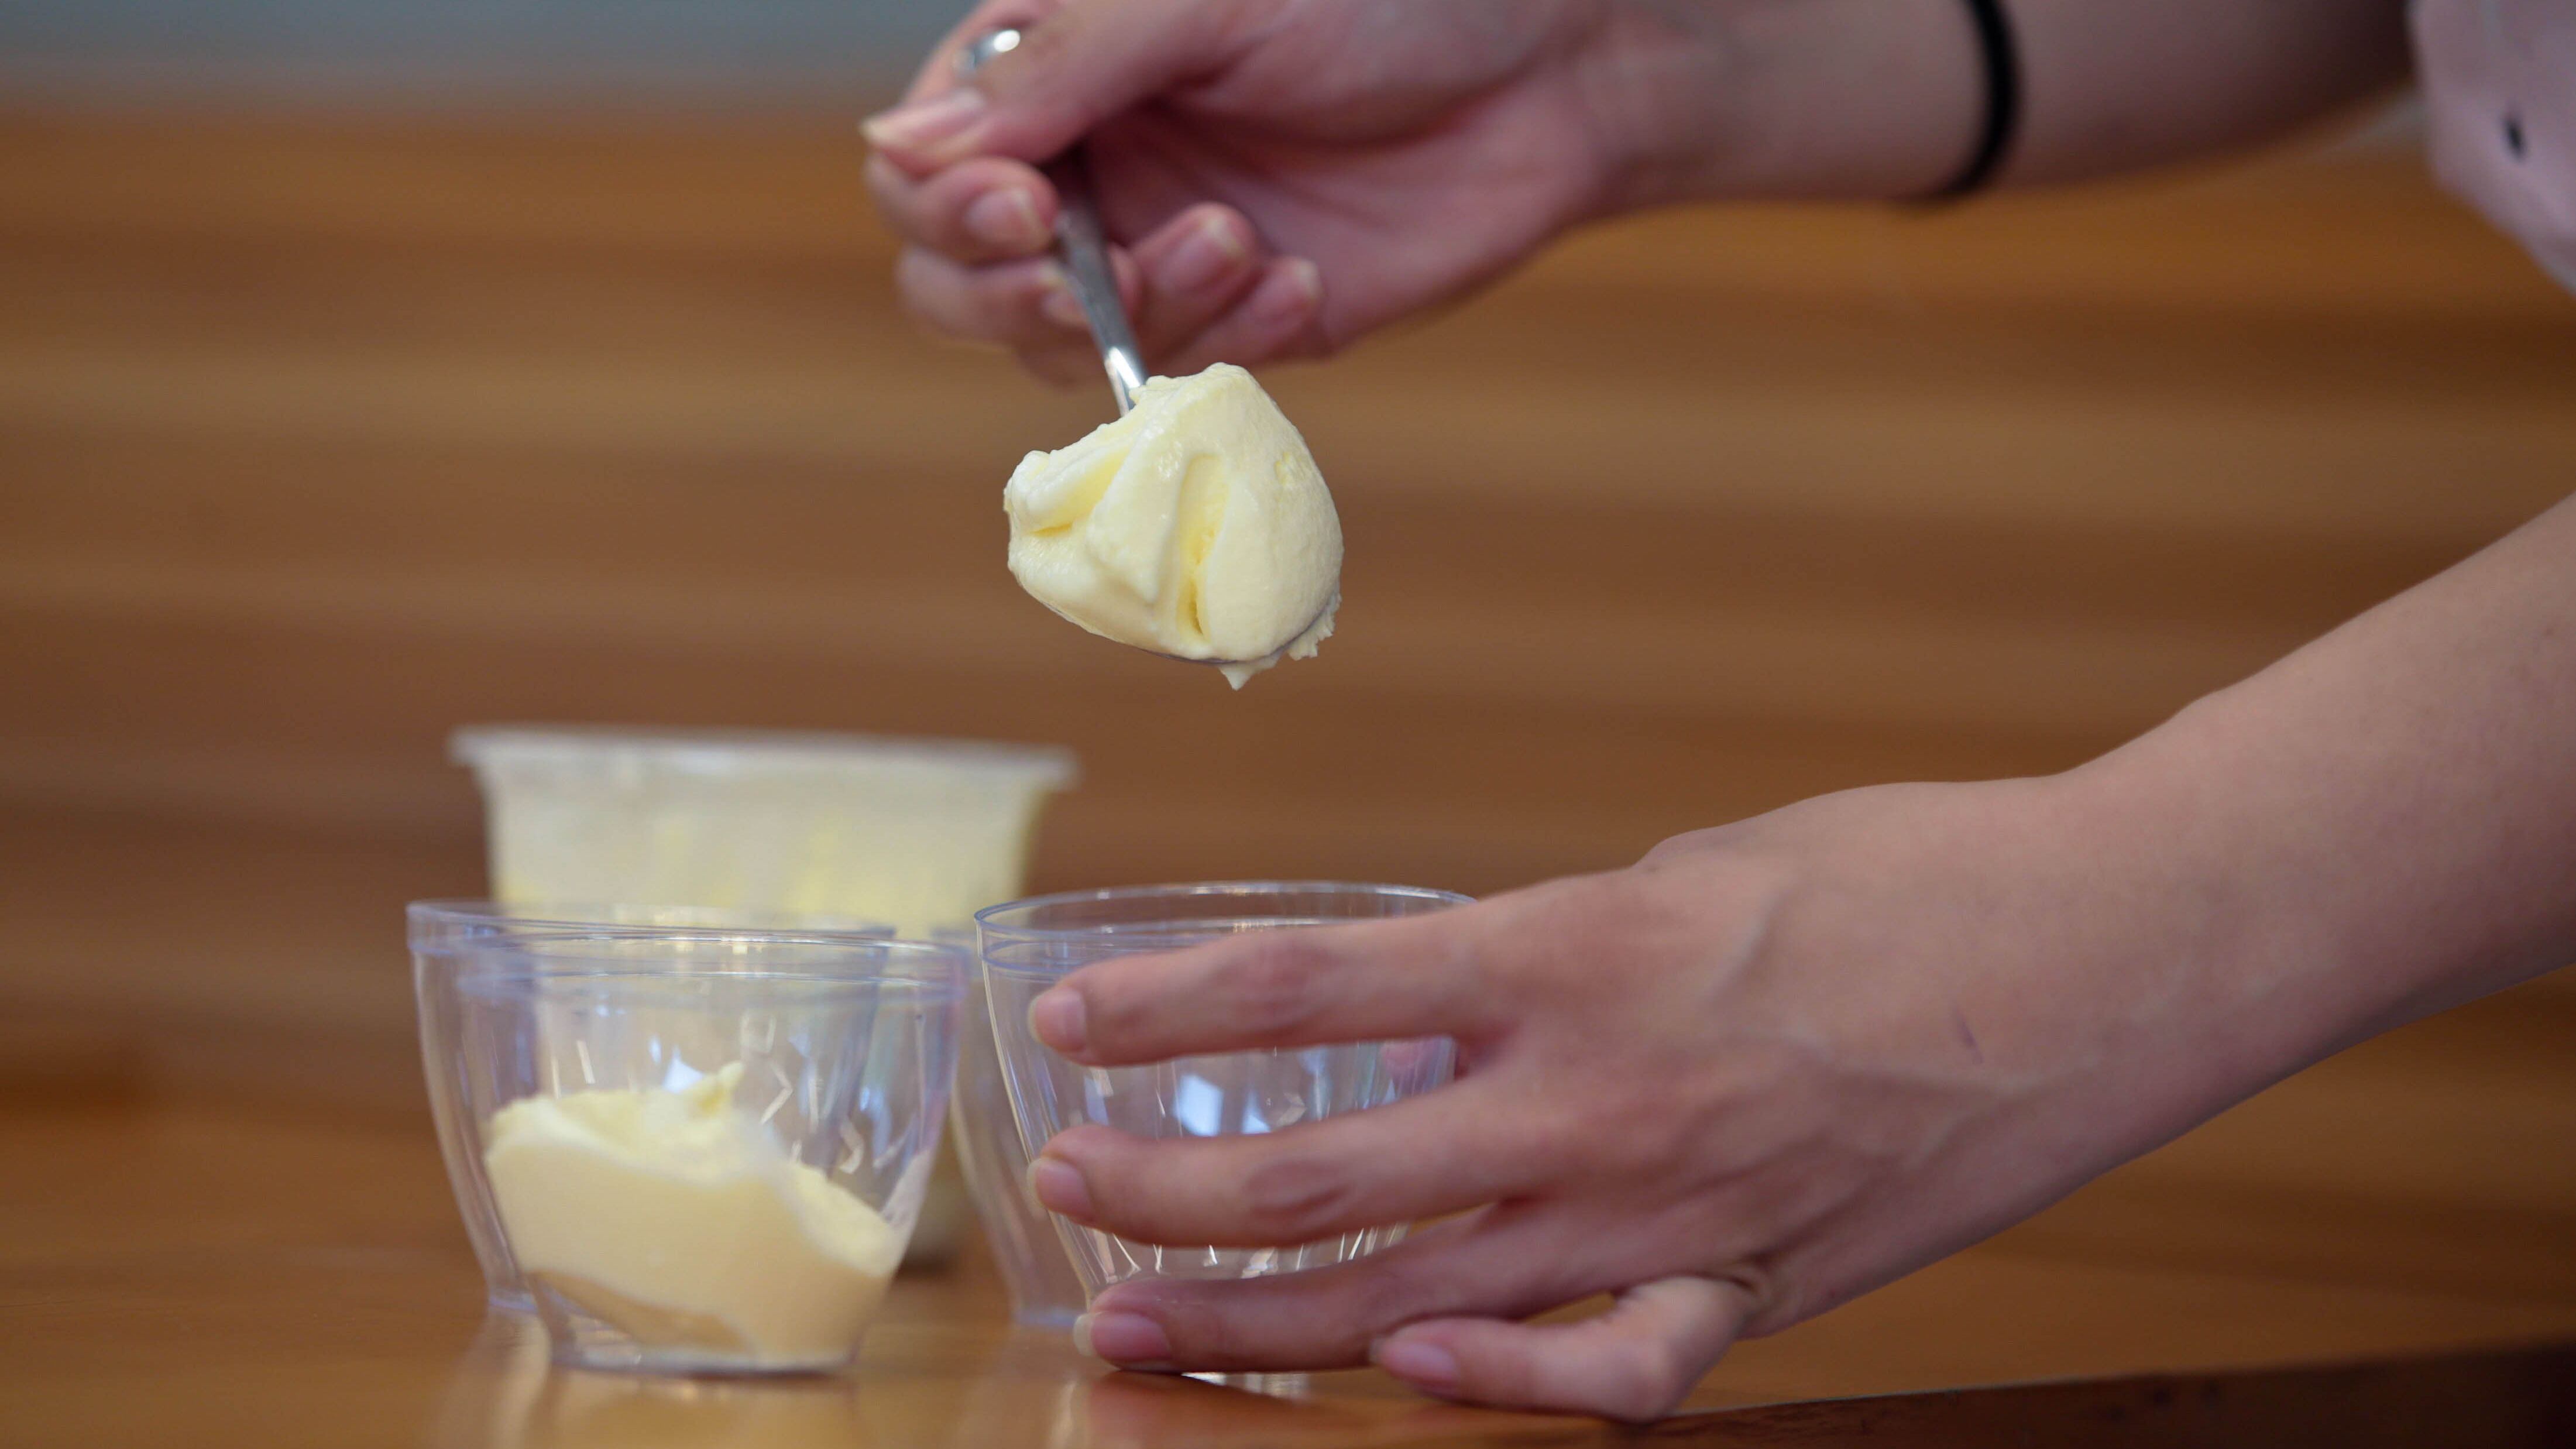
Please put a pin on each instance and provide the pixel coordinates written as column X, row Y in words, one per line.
column 1087, row 272
column 1082, row 244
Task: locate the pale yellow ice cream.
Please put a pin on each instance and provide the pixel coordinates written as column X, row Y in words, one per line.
column 1195, row 526
column 677, row 1217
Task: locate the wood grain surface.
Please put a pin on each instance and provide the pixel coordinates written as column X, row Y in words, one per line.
column 175, row 1275
column 318, row 440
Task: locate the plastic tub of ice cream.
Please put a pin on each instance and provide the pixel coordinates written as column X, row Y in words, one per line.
column 918, row 833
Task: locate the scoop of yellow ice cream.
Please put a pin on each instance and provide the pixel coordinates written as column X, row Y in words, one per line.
column 1195, row 526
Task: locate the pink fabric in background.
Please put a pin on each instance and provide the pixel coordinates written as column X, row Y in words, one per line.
column 2499, row 81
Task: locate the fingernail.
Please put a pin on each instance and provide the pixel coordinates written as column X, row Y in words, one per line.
column 1056, row 1016
column 1129, row 1340
column 924, row 125
column 1006, row 218
column 1213, row 251
column 1059, row 1187
column 1426, row 1366
column 1288, row 293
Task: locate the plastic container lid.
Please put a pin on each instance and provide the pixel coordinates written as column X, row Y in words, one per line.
column 626, row 754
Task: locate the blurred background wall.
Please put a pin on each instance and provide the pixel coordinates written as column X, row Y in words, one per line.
column 454, row 53
column 368, row 370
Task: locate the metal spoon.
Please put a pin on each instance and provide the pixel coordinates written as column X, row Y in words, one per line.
column 1079, row 238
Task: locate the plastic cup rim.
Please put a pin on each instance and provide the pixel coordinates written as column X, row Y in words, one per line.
column 517, row 979
column 877, row 957
column 993, row 930
column 590, row 918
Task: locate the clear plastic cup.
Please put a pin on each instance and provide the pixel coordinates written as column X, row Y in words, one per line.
column 920, row 833
column 695, row 1148
column 1028, row 946
column 447, row 937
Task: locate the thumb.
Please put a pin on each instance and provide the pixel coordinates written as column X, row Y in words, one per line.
column 1635, row 1362
column 1071, row 71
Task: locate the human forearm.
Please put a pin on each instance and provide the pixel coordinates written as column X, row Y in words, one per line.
column 2384, row 823
column 1882, row 98
column 2118, row 84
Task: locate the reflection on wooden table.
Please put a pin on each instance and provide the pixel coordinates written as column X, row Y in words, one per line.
column 1031, row 1391
column 1010, row 1388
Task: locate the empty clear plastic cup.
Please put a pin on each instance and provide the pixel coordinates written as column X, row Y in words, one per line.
column 1028, row 946
column 921, row 833
column 696, row 1148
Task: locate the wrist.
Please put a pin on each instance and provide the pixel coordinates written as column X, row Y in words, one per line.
column 1781, row 99
column 2192, row 830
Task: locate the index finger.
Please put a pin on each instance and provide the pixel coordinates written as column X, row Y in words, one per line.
column 1413, row 976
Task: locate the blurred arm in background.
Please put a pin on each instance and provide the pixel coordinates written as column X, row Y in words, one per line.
column 1287, row 177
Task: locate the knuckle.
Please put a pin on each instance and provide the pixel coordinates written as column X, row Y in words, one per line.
column 1652, row 1132
column 924, row 286
column 1296, row 1198
column 1316, row 344
column 889, row 188
column 1566, row 927
column 1773, row 1299
column 1558, row 1127
column 1389, row 1291
column 942, row 228
column 1201, row 1333
column 1616, row 907
column 1687, row 845
column 1273, row 988
column 933, row 216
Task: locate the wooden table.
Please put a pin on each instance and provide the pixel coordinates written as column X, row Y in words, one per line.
column 174, row 1275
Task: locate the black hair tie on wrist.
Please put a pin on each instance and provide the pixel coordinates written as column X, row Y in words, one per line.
column 2003, row 101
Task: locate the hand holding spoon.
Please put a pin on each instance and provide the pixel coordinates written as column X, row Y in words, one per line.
column 1079, row 238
